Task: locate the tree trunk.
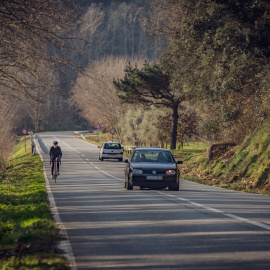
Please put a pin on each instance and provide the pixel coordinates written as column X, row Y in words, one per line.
column 125, row 32
column 174, row 129
column 36, row 117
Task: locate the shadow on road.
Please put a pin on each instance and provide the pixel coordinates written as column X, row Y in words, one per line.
column 42, row 145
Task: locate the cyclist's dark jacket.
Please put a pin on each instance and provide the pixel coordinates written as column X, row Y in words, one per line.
column 55, row 152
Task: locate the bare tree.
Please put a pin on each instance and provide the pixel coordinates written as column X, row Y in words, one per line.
column 148, row 131
column 113, row 25
column 32, row 31
column 124, row 8
column 7, row 138
column 187, row 125
column 133, row 17
column 130, row 125
column 90, row 23
column 141, row 126
column 94, row 93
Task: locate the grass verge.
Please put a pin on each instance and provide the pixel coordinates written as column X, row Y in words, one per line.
column 28, row 234
column 98, row 140
column 189, row 151
column 245, row 167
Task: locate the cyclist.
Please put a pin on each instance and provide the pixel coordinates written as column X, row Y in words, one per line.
column 55, row 152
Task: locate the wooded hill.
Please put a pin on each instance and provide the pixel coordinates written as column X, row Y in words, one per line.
column 215, row 68
column 213, row 54
column 45, row 46
column 216, row 62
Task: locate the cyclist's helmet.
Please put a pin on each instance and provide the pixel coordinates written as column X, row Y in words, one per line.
column 55, row 142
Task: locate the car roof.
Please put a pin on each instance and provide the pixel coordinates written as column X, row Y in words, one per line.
column 112, row 142
column 151, row 148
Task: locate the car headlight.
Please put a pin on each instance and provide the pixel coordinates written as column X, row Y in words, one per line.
column 137, row 171
column 170, row 172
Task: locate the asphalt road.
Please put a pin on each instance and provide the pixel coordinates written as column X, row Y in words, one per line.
column 198, row 227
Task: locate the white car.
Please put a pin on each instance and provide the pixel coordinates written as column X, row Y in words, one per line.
column 111, row 150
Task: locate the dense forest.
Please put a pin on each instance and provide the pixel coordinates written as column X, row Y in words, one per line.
column 157, row 71
column 46, row 46
column 215, row 60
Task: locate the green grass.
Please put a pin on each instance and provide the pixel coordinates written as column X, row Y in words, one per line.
column 98, row 140
column 28, row 235
column 244, row 168
column 190, row 150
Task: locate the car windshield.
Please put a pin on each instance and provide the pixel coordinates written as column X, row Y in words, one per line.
column 112, row 146
column 159, row 156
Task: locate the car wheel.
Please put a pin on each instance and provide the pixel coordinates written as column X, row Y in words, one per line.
column 174, row 187
column 129, row 186
column 125, row 182
column 120, row 159
column 101, row 159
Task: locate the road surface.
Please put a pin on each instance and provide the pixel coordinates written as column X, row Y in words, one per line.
column 198, row 227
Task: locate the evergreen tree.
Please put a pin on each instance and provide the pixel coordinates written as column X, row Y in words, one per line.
column 150, row 85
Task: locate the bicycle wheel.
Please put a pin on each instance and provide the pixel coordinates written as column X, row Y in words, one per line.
column 55, row 171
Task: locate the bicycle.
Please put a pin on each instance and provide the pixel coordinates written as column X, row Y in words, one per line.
column 55, row 169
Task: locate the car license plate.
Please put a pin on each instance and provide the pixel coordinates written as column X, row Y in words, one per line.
column 154, row 177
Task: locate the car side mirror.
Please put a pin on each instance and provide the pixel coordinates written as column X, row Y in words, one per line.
column 179, row 162
column 126, row 161
column 98, row 147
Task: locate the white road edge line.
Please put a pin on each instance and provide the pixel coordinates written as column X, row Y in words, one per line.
column 63, row 244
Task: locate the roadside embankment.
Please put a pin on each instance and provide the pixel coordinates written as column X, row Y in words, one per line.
column 245, row 167
column 28, row 235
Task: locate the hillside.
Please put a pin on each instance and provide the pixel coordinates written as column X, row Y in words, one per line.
column 244, row 167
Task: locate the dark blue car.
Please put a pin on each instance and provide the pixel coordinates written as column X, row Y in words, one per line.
column 152, row 168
